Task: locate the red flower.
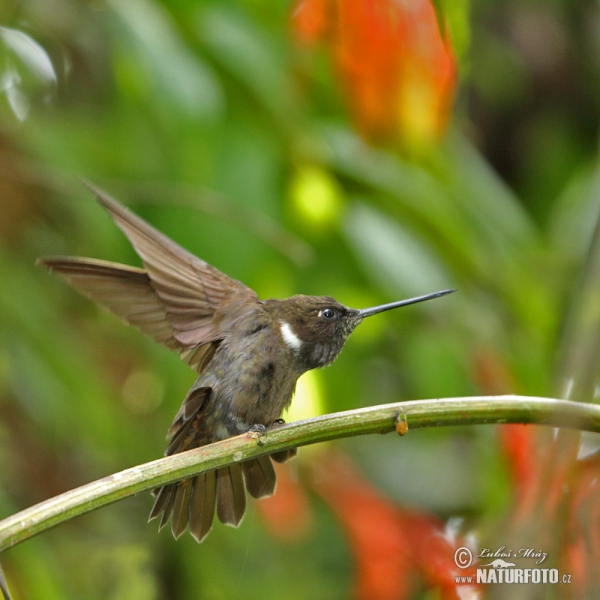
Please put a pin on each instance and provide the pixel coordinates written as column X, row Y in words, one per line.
column 287, row 513
column 395, row 549
column 397, row 71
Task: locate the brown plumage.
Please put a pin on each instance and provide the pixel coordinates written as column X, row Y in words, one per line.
column 248, row 355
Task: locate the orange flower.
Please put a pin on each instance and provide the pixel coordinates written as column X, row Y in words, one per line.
column 287, row 514
column 397, row 71
column 396, row 550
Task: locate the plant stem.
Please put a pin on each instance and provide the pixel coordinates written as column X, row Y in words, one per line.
column 376, row 419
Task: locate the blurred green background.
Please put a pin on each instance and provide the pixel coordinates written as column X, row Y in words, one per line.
column 237, row 132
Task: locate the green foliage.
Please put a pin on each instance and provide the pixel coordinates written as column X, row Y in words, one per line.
column 206, row 120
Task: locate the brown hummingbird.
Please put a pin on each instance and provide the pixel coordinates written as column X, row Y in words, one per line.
column 248, row 354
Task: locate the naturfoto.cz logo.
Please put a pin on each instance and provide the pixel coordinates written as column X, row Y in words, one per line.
column 501, row 567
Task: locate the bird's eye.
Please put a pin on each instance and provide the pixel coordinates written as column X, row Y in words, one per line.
column 327, row 313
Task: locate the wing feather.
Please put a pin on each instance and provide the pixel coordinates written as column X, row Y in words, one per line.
column 127, row 292
column 181, row 280
column 178, row 299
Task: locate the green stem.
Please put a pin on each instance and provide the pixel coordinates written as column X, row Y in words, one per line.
column 376, row 419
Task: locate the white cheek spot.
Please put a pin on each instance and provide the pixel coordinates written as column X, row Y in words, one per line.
column 293, row 342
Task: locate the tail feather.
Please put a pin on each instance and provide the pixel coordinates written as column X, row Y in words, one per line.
column 260, row 477
column 179, row 518
column 192, row 502
column 202, row 505
column 168, row 509
column 162, row 497
column 231, row 495
column 284, row 455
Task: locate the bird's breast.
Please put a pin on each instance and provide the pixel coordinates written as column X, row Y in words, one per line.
column 253, row 376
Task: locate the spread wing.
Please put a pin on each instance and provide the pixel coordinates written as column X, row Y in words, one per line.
column 177, row 299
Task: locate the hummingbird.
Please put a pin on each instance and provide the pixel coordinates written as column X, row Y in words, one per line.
column 248, row 354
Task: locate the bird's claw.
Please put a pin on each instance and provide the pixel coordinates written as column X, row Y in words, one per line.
column 256, row 431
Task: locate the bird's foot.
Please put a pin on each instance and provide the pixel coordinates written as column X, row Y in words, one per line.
column 256, row 431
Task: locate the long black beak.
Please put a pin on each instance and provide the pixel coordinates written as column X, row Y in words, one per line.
column 367, row 312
